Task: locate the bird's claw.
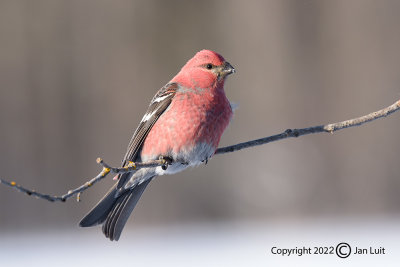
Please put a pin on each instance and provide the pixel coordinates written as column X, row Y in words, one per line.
column 165, row 162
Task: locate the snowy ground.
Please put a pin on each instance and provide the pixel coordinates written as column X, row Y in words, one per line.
column 222, row 244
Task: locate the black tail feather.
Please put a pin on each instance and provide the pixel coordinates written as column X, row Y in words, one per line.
column 99, row 212
column 118, row 216
column 113, row 212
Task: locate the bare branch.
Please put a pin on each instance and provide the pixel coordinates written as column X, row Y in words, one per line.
column 329, row 128
column 104, row 172
column 164, row 162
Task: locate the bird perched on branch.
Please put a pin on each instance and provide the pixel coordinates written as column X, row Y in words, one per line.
column 184, row 123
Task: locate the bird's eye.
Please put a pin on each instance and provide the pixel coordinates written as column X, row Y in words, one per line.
column 209, row 66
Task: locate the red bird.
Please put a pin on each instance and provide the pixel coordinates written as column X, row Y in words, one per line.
column 184, row 122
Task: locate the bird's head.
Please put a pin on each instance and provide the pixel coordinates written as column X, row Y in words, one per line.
column 205, row 69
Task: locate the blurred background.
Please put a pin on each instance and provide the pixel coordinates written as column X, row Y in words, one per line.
column 77, row 76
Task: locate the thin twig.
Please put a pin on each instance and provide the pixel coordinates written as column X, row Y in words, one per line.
column 164, row 162
column 132, row 166
column 329, row 128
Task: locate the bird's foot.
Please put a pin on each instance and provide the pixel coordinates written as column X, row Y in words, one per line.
column 165, row 162
column 205, row 161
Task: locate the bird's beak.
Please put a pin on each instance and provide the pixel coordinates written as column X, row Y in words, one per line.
column 227, row 69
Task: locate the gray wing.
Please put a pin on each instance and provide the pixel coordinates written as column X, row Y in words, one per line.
column 158, row 105
column 114, row 208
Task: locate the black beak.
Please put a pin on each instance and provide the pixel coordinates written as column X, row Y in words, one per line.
column 228, row 69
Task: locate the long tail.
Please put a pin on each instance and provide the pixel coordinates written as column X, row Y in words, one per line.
column 113, row 212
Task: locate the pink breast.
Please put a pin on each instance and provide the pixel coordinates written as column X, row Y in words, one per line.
column 192, row 117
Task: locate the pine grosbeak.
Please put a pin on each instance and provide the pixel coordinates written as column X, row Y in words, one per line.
column 184, row 122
